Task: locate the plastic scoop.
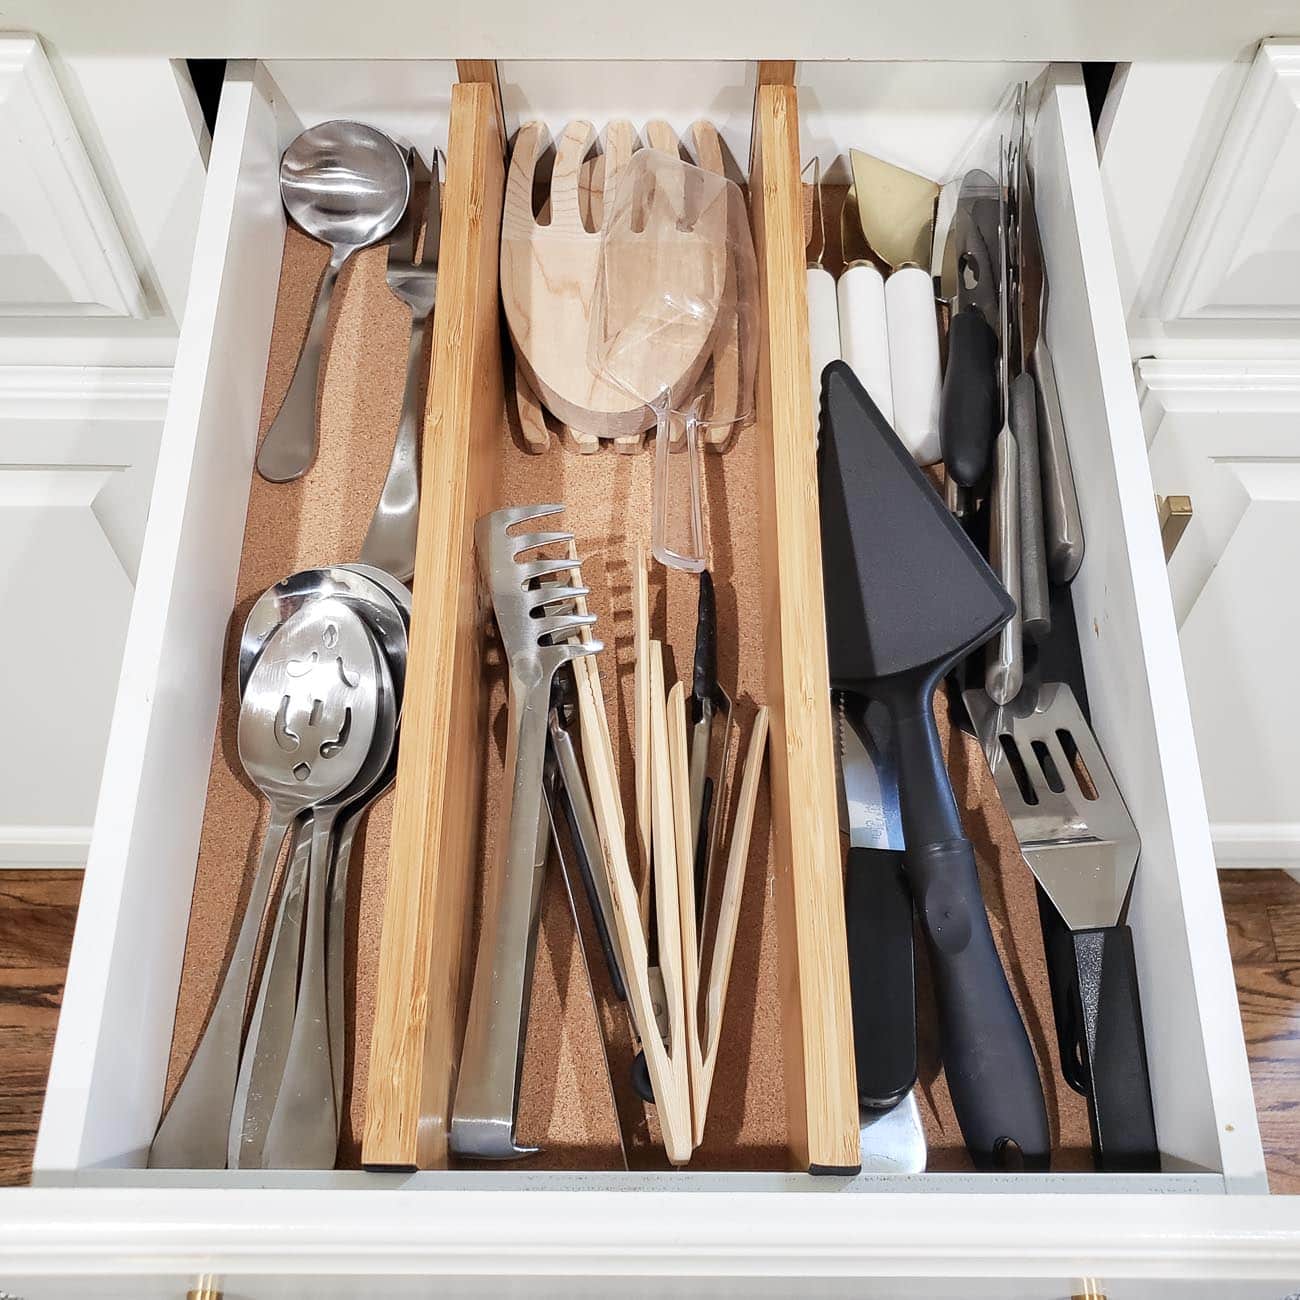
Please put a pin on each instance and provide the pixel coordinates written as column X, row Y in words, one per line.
column 677, row 265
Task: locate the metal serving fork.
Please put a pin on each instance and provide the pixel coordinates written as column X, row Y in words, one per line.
column 412, row 276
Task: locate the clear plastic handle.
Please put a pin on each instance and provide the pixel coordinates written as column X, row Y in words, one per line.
column 677, row 511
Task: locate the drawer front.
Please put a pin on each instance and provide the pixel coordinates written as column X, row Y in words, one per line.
column 112, row 1051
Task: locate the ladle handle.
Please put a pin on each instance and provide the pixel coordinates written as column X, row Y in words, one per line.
column 194, row 1130
column 303, row 1133
column 289, row 449
column 261, row 1066
column 677, row 516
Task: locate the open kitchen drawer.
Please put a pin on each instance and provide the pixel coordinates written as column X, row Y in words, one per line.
column 142, row 1233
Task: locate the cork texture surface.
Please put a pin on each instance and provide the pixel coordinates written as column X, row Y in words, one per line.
column 566, row 1106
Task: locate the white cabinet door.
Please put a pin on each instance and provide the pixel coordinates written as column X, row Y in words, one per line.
column 1228, row 435
column 77, row 453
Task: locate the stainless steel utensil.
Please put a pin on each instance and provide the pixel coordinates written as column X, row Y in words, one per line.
column 487, row 1092
column 346, row 185
column 551, row 781
column 377, row 597
column 303, row 736
column 1005, row 670
column 412, row 276
column 1035, row 605
column 1081, row 844
column 303, row 1132
column 1063, row 524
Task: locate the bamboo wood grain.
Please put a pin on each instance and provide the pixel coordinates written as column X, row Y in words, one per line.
column 684, row 855
column 820, row 1082
column 724, row 943
column 641, row 718
column 419, row 1000
column 666, row 1065
column 485, row 72
column 532, row 416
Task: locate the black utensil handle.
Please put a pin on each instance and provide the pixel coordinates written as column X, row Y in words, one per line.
column 704, row 676
column 1062, row 979
column 969, row 406
column 990, row 1066
column 702, row 838
column 882, row 979
column 1123, row 1125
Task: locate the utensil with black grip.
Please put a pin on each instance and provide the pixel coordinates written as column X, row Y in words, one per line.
column 877, row 907
column 913, row 596
column 1081, row 844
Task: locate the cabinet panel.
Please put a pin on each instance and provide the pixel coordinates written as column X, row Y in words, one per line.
column 1225, row 434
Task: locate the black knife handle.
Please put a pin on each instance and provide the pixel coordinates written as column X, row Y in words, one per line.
column 1062, row 979
column 704, row 677
column 969, row 413
column 989, row 1063
column 1119, row 1101
column 882, row 979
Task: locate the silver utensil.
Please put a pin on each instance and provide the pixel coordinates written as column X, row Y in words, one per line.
column 369, row 587
column 1022, row 399
column 377, row 597
column 390, row 539
column 1082, row 846
column 303, row 736
column 1005, row 669
column 487, row 1092
column 1063, row 525
column 551, row 781
column 346, row 185
column 303, row 1131
column 335, row 946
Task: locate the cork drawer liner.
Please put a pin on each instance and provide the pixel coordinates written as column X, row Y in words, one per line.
column 565, row 1105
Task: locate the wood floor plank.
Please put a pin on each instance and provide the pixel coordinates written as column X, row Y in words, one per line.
column 1258, row 888
column 1284, row 922
column 38, row 910
column 1250, row 934
column 1268, row 991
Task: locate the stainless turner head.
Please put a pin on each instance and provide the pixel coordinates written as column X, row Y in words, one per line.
column 1069, row 816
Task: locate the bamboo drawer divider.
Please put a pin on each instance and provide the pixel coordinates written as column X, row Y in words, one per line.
column 821, row 1085
column 425, row 962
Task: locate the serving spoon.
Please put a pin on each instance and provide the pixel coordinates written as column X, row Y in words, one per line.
column 347, row 185
column 305, row 731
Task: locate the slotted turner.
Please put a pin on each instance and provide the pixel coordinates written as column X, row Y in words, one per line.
column 1080, row 842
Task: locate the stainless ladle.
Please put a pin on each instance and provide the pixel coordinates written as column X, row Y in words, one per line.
column 347, row 185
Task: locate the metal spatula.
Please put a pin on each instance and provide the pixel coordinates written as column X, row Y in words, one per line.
column 1081, row 844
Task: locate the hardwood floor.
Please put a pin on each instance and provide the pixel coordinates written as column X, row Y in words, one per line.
column 38, row 910
column 1263, row 914
column 37, row 913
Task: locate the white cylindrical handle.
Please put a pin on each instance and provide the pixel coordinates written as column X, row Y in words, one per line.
column 914, row 361
column 823, row 328
column 864, row 334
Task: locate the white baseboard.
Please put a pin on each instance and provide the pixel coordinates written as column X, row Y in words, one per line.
column 43, row 847
column 1273, row 845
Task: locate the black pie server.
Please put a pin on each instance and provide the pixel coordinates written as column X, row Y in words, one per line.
column 910, row 597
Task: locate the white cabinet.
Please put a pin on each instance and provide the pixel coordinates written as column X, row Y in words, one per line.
column 1228, row 434
column 1199, row 166
column 77, row 454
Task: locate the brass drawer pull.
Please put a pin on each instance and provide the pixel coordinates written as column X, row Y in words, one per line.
column 1174, row 514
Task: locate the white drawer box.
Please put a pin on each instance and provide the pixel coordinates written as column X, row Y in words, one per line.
column 98, row 1213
